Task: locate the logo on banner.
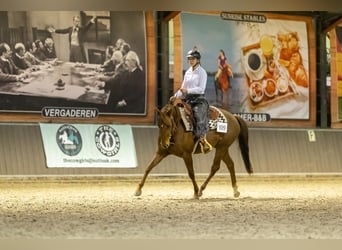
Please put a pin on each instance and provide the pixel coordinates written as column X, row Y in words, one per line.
column 69, row 140
column 107, row 140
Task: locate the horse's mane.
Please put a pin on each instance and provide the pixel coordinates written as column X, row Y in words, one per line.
column 170, row 115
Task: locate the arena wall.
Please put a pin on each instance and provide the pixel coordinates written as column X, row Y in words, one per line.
column 273, row 151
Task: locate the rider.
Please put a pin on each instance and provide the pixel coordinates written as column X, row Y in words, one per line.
column 192, row 91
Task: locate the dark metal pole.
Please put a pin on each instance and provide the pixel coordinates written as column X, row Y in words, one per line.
column 322, row 73
column 163, row 60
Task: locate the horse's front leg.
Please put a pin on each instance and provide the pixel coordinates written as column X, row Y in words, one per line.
column 157, row 159
column 187, row 157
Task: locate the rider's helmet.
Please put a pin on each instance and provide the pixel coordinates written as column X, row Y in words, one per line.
column 194, row 53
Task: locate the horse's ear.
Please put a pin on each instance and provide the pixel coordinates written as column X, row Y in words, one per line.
column 157, row 110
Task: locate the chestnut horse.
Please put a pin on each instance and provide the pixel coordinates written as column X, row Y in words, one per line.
column 222, row 84
column 175, row 139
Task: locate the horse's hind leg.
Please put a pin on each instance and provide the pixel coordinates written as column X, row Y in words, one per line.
column 230, row 165
column 157, row 158
column 214, row 168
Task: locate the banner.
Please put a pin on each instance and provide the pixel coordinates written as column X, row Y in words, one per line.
column 92, row 75
column 258, row 63
column 338, row 62
column 269, row 58
column 88, row 145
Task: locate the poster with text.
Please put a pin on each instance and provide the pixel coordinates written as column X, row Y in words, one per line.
column 82, row 59
column 268, row 58
column 88, row 145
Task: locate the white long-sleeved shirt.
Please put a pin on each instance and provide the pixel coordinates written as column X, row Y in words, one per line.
column 195, row 81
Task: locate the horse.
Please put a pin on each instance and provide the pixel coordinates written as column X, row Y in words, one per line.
column 65, row 139
column 175, row 139
column 71, row 139
column 222, row 84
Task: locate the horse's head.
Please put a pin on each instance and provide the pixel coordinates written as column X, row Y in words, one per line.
column 166, row 125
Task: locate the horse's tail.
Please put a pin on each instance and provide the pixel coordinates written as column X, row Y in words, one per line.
column 243, row 143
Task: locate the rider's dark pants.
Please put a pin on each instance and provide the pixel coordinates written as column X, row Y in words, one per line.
column 200, row 108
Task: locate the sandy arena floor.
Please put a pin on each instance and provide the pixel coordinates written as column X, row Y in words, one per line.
column 268, row 208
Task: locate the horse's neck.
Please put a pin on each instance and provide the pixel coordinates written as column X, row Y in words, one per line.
column 176, row 116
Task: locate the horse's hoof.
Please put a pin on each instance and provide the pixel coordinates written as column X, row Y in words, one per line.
column 137, row 193
column 236, row 194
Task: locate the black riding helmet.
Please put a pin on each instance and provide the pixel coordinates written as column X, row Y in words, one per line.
column 194, row 53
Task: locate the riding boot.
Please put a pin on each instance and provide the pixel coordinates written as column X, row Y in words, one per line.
column 205, row 145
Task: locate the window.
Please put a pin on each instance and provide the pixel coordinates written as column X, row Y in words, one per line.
column 100, row 31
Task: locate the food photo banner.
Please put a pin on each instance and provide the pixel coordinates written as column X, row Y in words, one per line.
column 334, row 81
column 78, row 59
column 338, row 63
column 270, row 63
column 88, row 145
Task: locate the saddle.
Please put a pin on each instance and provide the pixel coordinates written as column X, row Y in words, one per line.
column 188, row 117
column 186, row 114
column 214, row 115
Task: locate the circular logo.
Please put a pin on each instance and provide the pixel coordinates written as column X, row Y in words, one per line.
column 107, row 140
column 69, row 140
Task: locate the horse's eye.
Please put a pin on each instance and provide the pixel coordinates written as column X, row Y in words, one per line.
column 161, row 125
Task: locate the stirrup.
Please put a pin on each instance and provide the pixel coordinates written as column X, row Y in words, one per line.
column 206, row 147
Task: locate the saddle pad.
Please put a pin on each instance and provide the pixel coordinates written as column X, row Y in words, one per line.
column 220, row 119
column 212, row 123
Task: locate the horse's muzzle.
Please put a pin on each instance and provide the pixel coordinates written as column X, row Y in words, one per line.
column 166, row 143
